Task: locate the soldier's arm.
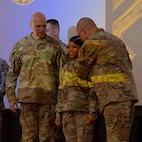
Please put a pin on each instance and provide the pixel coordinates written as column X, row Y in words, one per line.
column 3, row 78
column 13, row 74
column 87, row 56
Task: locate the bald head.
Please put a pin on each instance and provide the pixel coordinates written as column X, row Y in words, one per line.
column 37, row 15
column 38, row 25
column 86, row 27
column 85, row 22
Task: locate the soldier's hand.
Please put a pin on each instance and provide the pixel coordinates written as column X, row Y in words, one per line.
column 13, row 106
column 58, row 121
column 91, row 118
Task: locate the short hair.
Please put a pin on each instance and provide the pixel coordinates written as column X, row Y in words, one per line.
column 76, row 40
column 52, row 21
column 86, row 22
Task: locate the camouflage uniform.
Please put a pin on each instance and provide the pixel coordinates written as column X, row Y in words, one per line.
column 106, row 58
column 3, row 73
column 36, row 63
column 63, row 46
column 74, row 104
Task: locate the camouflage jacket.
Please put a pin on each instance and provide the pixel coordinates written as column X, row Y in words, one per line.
column 110, row 69
column 74, row 93
column 3, row 73
column 37, row 64
column 63, row 46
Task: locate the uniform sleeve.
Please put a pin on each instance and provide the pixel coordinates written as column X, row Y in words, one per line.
column 87, row 55
column 3, row 78
column 13, row 73
column 59, row 102
column 60, row 62
column 93, row 102
column 61, row 58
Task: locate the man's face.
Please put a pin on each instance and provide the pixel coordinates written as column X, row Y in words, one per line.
column 39, row 27
column 50, row 31
column 82, row 33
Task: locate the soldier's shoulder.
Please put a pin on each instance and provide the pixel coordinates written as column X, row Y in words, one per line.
column 2, row 60
column 63, row 44
column 23, row 40
column 52, row 40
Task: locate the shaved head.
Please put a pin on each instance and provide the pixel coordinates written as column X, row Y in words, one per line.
column 38, row 25
column 85, row 22
column 85, row 27
column 37, row 15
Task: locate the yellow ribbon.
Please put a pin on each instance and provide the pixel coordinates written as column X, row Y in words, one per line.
column 72, row 79
column 119, row 77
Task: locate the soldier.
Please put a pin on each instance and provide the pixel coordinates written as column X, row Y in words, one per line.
column 3, row 73
column 106, row 58
column 36, row 60
column 53, row 30
column 76, row 107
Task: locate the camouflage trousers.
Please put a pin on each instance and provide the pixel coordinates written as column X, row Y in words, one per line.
column 75, row 128
column 37, row 121
column 118, row 120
